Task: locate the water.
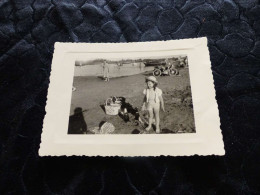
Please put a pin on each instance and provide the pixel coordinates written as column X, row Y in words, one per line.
column 114, row 70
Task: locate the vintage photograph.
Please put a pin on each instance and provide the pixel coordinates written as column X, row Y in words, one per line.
column 132, row 99
column 132, row 96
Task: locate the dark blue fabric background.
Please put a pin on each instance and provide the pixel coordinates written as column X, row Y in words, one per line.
column 28, row 30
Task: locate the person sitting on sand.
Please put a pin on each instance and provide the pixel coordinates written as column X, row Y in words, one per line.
column 152, row 102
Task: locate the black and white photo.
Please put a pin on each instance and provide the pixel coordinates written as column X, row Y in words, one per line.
column 132, row 99
column 132, row 96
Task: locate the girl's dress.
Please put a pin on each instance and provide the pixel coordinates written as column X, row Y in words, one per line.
column 106, row 70
column 152, row 98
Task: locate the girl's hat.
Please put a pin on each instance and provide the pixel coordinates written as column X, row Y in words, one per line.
column 151, row 78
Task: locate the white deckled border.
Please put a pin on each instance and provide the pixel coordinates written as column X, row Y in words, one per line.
column 206, row 141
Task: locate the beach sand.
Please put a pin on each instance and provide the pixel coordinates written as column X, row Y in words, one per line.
column 91, row 93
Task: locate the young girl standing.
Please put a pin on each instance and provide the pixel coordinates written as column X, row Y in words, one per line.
column 152, row 102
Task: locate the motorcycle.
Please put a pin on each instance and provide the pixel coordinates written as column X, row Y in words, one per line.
column 162, row 70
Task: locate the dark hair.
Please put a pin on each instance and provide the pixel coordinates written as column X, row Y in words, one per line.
column 154, row 83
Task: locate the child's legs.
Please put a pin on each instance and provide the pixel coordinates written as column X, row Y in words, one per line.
column 151, row 115
column 156, row 109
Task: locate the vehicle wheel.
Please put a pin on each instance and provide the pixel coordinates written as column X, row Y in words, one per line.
column 157, row 73
column 174, row 72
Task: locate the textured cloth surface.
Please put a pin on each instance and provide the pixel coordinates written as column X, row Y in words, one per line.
column 28, row 30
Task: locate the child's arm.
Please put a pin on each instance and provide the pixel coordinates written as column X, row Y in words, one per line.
column 144, row 101
column 162, row 103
